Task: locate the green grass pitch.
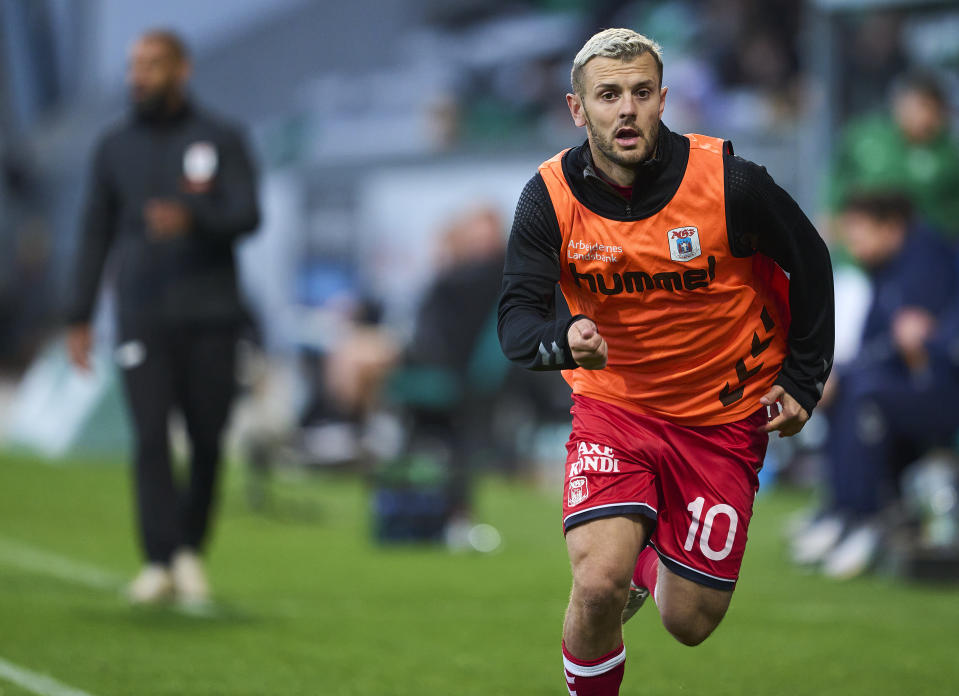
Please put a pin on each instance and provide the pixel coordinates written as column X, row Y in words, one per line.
column 306, row 604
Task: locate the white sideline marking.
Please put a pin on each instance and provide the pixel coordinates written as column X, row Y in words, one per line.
column 27, row 557
column 18, row 554
column 36, row 683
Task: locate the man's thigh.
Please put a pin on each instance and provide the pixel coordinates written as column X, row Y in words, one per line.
column 144, row 360
column 886, row 398
column 682, row 600
column 206, row 378
column 606, row 548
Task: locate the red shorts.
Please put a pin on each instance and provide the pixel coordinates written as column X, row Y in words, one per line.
column 697, row 482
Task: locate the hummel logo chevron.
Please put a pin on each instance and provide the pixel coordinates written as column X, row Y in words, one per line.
column 551, row 358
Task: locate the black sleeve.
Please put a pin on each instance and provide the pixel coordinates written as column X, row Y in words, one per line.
column 532, row 323
column 761, row 216
column 97, row 230
column 231, row 209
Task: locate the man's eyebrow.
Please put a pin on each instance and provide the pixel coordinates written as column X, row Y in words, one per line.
column 614, row 85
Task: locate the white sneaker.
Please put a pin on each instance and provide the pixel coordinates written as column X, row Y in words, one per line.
column 637, row 596
column 189, row 579
column 154, row 584
column 817, row 540
column 456, row 534
column 855, row 553
column 800, row 522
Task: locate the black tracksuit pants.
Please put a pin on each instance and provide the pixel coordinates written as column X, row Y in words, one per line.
column 190, row 368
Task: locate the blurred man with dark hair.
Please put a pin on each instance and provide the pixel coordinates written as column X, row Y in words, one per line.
column 171, row 190
column 893, row 402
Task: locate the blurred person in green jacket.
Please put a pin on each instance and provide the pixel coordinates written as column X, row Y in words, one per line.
column 909, row 149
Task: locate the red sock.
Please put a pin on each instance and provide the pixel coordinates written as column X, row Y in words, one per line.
column 647, row 570
column 599, row 677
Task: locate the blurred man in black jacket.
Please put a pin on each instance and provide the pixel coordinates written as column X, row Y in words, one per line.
column 171, row 190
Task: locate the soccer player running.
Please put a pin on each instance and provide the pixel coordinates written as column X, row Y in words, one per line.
column 702, row 320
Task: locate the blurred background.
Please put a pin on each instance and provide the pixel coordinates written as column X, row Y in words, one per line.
column 392, row 139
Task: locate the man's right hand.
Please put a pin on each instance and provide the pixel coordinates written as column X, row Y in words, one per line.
column 166, row 219
column 586, row 345
column 79, row 345
column 911, row 329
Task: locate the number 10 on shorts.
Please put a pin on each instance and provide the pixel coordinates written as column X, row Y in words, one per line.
column 696, row 508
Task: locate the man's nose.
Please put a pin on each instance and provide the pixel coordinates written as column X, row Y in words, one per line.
column 627, row 107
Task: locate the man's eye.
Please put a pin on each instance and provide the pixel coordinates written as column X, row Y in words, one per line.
column 607, row 96
column 643, row 93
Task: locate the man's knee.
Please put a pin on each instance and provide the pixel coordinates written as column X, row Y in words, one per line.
column 599, row 593
column 603, row 554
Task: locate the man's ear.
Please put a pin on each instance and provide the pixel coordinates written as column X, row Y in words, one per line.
column 576, row 109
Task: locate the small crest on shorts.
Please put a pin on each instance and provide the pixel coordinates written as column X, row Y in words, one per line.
column 683, row 243
column 578, row 490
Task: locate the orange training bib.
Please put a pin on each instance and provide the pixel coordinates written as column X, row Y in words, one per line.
column 695, row 335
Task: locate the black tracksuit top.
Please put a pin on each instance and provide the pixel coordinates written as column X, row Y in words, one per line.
column 760, row 217
column 184, row 280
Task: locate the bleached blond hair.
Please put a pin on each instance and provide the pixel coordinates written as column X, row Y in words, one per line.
column 624, row 44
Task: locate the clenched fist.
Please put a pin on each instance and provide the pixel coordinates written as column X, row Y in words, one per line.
column 586, row 345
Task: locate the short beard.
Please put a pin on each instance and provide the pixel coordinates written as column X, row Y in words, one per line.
column 153, row 106
column 607, row 147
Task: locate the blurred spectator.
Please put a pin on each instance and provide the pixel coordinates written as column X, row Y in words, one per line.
column 171, row 189
column 890, row 405
column 871, row 54
column 448, row 321
column 909, row 149
column 757, row 51
column 441, row 382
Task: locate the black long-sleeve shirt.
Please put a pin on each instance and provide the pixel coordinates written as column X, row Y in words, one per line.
column 760, row 217
column 191, row 157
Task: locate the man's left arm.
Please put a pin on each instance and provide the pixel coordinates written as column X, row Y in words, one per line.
column 231, row 208
column 763, row 218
